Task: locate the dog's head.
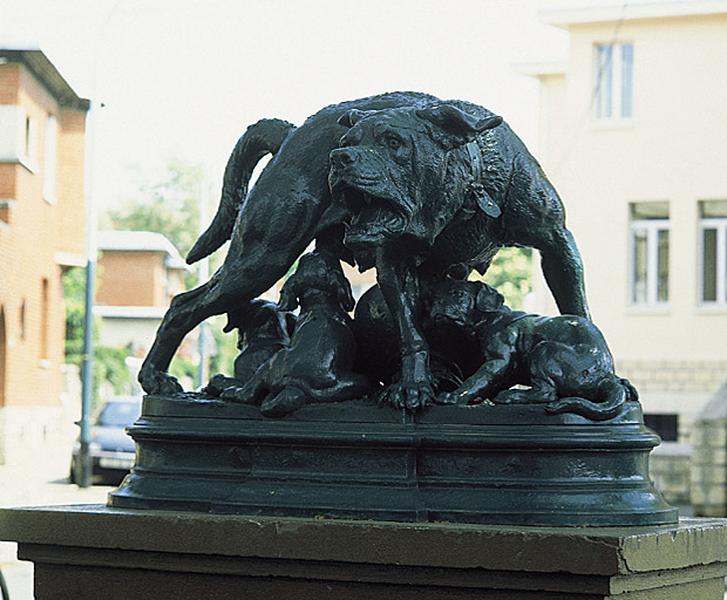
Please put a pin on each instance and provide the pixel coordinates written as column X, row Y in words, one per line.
column 316, row 272
column 396, row 174
column 257, row 317
column 462, row 303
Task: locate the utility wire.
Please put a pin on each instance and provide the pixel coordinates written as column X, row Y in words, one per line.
column 586, row 113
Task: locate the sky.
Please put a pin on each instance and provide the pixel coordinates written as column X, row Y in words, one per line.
column 183, row 78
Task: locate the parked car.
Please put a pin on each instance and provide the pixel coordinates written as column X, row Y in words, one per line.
column 111, row 449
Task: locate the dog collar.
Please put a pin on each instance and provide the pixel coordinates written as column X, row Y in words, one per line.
column 483, row 199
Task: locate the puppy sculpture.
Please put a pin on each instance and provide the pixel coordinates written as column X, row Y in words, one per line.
column 317, row 366
column 262, row 330
column 564, row 360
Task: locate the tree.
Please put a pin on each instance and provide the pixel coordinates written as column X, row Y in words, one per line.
column 169, row 206
column 511, row 274
column 109, row 363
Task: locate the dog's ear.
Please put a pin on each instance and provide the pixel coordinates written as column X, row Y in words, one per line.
column 353, row 116
column 289, row 294
column 488, row 299
column 456, row 121
column 345, row 297
column 342, row 288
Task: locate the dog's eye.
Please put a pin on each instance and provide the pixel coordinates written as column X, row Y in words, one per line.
column 392, row 142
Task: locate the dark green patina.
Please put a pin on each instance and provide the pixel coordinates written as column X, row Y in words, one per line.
column 434, row 402
column 488, row 464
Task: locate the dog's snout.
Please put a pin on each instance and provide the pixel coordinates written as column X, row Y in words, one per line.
column 342, row 157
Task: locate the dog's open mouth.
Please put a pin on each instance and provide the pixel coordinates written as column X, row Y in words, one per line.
column 374, row 218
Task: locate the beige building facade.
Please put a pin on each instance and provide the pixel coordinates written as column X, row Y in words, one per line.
column 633, row 134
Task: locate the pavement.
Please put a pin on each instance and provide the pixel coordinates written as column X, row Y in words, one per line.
column 39, row 480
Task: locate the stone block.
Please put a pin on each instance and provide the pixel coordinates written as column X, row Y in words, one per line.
column 91, row 552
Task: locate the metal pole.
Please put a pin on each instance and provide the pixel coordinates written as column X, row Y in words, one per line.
column 86, row 465
column 202, row 276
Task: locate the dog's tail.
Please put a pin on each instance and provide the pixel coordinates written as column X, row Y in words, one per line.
column 614, row 393
column 265, row 136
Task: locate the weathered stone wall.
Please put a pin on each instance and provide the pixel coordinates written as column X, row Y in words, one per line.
column 709, row 458
column 669, row 467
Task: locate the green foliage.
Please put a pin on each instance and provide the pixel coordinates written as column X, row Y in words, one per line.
column 183, row 368
column 511, row 274
column 109, row 363
column 110, row 366
column 74, row 285
column 222, row 361
column 169, row 206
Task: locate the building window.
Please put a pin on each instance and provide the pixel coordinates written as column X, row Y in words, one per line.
column 649, row 272
column 21, row 320
column 29, row 143
column 44, row 321
column 713, row 251
column 27, row 137
column 666, row 425
column 49, row 159
column 614, row 81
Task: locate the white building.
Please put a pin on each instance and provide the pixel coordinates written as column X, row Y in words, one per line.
column 633, row 134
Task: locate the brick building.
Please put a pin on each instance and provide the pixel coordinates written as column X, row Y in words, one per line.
column 138, row 274
column 42, row 136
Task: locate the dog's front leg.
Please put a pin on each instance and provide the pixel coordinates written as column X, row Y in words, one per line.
column 399, row 284
column 492, row 377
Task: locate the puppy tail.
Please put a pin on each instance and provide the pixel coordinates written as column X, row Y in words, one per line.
column 264, row 137
column 614, row 393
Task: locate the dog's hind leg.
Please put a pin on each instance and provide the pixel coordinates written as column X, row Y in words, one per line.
column 347, row 387
column 541, row 392
column 536, row 218
column 563, row 270
column 186, row 311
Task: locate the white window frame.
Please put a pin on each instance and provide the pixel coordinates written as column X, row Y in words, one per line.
column 720, row 224
column 652, row 227
column 50, row 159
column 616, row 72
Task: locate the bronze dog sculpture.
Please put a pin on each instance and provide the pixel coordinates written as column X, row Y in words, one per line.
column 440, row 189
column 263, row 329
column 421, row 186
column 564, row 360
column 317, row 366
column 269, row 228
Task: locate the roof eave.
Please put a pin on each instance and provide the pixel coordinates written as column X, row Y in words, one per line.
column 44, row 70
column 582, row 15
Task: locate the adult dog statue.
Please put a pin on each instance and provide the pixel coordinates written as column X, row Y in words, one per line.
column 289, row 206
column 439, row 190
column 422, row 187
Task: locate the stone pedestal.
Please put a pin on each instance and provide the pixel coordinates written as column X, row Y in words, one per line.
column 496, row 465
column 89, row 552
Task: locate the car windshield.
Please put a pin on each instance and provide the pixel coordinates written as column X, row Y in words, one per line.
column 119, row 414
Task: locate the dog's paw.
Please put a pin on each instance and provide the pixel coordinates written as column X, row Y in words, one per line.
column 411, row 397
column 235, row 393
column 446, row 398
column 158, row 382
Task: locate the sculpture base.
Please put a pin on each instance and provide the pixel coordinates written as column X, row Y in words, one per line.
column 91, row 552
column 484, row 464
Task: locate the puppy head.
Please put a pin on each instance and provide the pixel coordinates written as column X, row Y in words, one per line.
column 462, row 303
column 488, row 299
column 317, row 271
